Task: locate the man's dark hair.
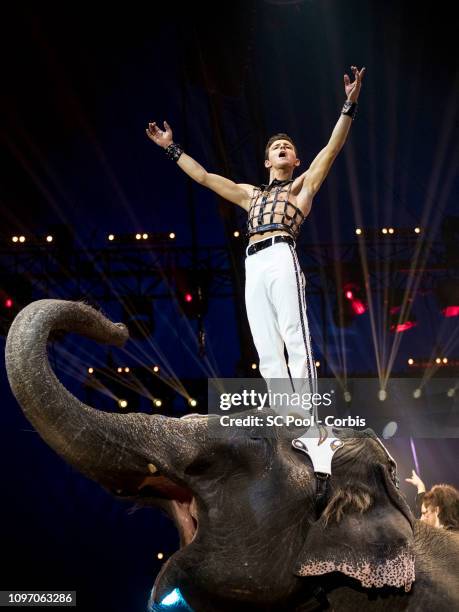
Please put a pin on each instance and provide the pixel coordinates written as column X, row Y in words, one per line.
column 279, row 136
column 446, row 498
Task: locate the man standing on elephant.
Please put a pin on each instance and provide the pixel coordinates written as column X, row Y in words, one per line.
column 275, row 284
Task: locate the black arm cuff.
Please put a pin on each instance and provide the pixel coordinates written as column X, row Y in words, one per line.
column 349, row 109
column 173, row 151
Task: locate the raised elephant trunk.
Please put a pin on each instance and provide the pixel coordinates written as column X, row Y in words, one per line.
column 118, row 451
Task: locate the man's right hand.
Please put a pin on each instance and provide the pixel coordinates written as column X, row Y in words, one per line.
column 160, row 137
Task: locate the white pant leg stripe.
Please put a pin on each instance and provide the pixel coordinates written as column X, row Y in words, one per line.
column 300, row 303
column 308, row 335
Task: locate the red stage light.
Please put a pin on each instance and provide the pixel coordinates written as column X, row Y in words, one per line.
column 188, row 297
column 358, row 307
column 401, row 327
column 451, row 311
column 8, row 303
column 349, row 295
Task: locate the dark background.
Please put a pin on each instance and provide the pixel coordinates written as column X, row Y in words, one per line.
column 79, row 84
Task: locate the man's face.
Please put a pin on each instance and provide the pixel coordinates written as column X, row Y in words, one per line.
column 282, row 154
column 429, row 515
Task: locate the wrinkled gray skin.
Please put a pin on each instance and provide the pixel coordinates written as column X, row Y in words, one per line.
column 244, row 507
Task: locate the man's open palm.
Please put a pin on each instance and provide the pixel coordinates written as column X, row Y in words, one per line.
column 160, row 137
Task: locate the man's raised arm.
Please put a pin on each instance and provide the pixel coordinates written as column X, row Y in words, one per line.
column 238, row 193
column 320, row 167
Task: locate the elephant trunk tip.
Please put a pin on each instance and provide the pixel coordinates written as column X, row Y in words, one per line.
column 41, row 317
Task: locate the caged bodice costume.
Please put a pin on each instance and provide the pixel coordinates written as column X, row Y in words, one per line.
column 270, row 209
column 275, row 289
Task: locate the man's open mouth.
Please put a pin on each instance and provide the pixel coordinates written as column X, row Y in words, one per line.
column 282, row 154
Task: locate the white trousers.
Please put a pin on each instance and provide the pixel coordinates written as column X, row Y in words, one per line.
column 276, row 310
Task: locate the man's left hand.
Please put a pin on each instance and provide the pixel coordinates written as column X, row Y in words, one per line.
column 352, row 90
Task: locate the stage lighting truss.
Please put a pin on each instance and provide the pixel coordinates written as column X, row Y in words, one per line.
column 151, row 268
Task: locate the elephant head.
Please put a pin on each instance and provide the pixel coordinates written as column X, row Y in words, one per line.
column 253, row 536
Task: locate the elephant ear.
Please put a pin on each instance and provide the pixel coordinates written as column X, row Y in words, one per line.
column 365, row 535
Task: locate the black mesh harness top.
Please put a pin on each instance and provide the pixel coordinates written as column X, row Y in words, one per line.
column 271, row 210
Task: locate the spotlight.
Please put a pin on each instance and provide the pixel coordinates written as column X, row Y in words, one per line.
column 445, row 359
column 158, row 403
column 254, row 366
column 354, row 294
column 119, row 370
column 389, row 430
column 21, row 238
column 15, row 293
column 192, row 402
column 410, row 361
column 156, row 369
column 451, row 392
column 111, row 237
column 417, row 230
column 14, row 238
column 172, row 598
column 122, row 403
column 90, row 370
column 172, row 235
column 417, row 393
column 382, row 395
column 236, row 234
column 347, row 396
column 145, row 236
column 160, row 555
column 400, row 320
column 49, row 238
column 398, row 328
column 384, row 230
column 350, row 299
column 391, row 230
column 358, row 231
column 317, row 364
column 138, row 236
column 192, row 290
column 126, row 370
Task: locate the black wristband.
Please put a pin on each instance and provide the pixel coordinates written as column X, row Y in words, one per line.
column 349, row 109
column 173, row 151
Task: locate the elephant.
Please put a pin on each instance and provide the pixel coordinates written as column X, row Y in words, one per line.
column 256, row 531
